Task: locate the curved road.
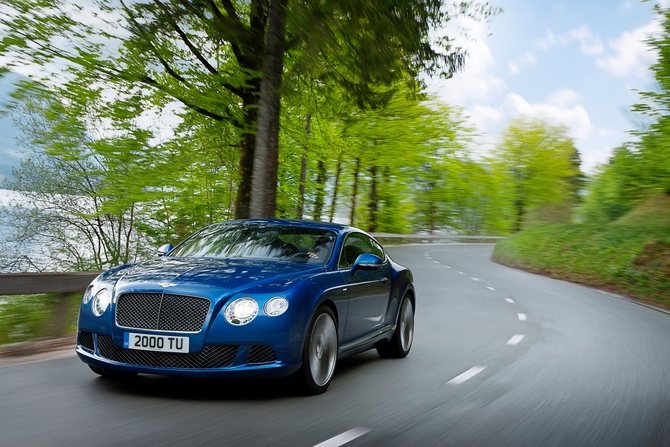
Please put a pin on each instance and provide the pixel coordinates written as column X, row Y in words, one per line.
column 500, row 358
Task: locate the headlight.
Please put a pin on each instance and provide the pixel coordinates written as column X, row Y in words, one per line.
column 275, row 306
column 101, row 302
column 241, row 311
column 88, row 295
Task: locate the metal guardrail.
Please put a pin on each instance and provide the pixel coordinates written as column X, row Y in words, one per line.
column 65, row 284
column 437, row 236
column 31, row 283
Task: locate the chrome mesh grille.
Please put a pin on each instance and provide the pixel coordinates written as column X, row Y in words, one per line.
column 261, row 354
column 86, row 340
column 212, row 356
column 163, row 312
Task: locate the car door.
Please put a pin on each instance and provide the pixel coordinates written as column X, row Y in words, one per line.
column 368, row 289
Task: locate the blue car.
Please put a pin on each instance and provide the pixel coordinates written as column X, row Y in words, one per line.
column 250, row 298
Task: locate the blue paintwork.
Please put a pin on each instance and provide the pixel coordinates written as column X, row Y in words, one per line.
column 366, row 308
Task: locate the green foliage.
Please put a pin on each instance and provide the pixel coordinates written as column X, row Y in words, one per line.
column 536, row 164
column 26, row 317
column 655, row 211
column 633, row 260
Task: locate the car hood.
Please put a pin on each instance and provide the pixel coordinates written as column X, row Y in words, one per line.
column 211, row 276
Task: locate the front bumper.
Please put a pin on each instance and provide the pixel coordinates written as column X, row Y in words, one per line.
column 214, row 360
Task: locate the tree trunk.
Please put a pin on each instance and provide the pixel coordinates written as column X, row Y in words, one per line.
column 247, row 146
column 353, row 196
column 264, row 178
column 372, row 203
column 335, row 189
column 303, row 167
column 320, row 190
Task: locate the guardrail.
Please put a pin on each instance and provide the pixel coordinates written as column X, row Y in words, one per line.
column 437, row 236
column 64, row 284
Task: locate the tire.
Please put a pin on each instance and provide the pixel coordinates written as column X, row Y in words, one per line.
column 112, row 374
column 319, row 353
column 401, row 342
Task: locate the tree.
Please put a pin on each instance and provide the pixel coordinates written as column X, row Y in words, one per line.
column 64, row 206
column 226, row 60
column 536, row 162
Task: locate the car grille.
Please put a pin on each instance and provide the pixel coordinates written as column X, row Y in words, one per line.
column 86, row 340
column 212, row 356
column 162, row 312
column 261, row 354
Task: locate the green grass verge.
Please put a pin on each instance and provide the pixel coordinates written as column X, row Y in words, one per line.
column 630, row 260
column 26, row 317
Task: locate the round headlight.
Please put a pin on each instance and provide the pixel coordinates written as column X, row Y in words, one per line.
column 241, row 311
column 275, row 306
column 88, row 295
column 101, row 302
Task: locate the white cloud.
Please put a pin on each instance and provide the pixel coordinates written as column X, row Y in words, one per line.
column 564, row 97
column 632, row 56
column 475, row 82
column 527, row 59
column 588, row 43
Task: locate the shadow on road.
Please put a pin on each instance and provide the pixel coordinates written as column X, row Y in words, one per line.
column 206, row 389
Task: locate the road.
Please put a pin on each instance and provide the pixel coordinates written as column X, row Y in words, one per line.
column 500, row 358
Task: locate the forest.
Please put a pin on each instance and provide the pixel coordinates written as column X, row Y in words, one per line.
column 147, row 120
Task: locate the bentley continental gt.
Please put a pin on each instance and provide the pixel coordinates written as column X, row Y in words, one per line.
column 250, row 298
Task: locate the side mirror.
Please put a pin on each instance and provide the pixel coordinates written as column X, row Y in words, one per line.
column 164, row 249
column 366, row 261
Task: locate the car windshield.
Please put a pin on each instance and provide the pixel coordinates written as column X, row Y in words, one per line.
column 277, row 242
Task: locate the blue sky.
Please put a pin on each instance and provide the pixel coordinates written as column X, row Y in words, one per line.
column 571, row 62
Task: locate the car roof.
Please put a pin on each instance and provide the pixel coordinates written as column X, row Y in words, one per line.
column 338, row 228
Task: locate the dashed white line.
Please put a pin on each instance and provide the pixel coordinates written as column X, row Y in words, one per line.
column 509, row 300
column 470, row 373
column 345, row 437
column 490, row 288
column 475, row 279
column 436, row 262
column 522, row 317
column 515, row 340
column 447, row 266
column 461, row 273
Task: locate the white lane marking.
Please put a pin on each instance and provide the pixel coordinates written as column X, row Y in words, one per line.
column 436, row 262
column 470, row 373
column 345, row 437
column 509, row 300
column 447, row 266
column 522, row 317
column 461, row 273
column 490, row 288
column 475, row 279
column 515, row 340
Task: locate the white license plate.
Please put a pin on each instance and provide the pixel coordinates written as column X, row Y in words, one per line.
column 147, row 342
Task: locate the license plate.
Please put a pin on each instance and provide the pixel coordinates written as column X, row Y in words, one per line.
column 163, row 343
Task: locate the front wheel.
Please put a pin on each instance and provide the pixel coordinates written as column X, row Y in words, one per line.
column 401, row 342
column 319, row 354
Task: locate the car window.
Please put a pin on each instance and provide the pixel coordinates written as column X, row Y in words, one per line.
column 278, row 242
column 355, row 245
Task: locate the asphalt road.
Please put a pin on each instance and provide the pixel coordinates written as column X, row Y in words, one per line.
column 500, row 358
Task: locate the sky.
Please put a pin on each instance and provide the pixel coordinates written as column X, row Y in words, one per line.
column 578, row 63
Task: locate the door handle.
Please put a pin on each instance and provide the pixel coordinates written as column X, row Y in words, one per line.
column 384, row 279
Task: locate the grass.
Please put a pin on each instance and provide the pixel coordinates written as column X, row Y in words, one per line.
column 27, row 317
column 632, row 260
column 655, row 211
